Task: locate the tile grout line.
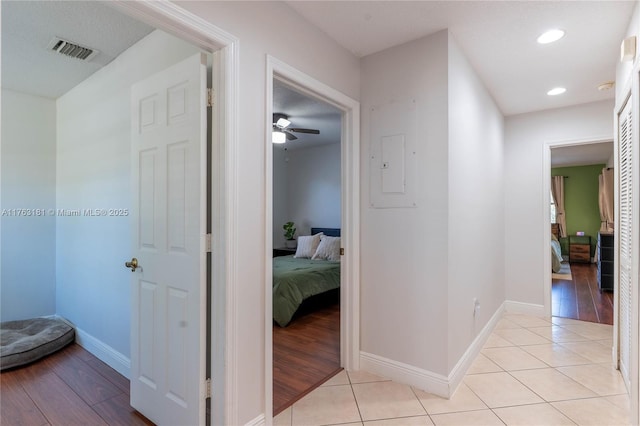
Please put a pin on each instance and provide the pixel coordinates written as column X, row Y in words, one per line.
column 422, row 405
column 591, row 363
column 353, row 392
column 551, row 367
column 589, row 341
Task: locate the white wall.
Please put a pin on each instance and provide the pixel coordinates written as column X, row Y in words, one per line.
column 307, row 181
column 308, row 49
column 422, row 266
column 476, row 205
column 28, row 182
column 525, row 137
column 314, row 187
column 404, row 251
column 280, row 194
column 93, row 171
column 623, row 69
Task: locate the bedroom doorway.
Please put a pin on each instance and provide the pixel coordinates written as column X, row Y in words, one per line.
column 312, row 196
column 581, row 283
column 307, row 191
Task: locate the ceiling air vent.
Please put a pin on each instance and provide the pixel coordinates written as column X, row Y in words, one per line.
column 71, row 49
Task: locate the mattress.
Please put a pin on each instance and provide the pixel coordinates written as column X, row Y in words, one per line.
column 295, row 280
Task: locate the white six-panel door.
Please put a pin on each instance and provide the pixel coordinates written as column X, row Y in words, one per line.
column 168, row 226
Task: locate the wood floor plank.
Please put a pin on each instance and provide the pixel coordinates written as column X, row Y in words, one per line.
column 117, row 411
column 85, row 381
column 603, row 302
column 79, row 352
column 580, row 298
column 59, row 403
column 16, row 407
column 110, row 374
column 564, row 299
column 584, row 298
column 305, row 354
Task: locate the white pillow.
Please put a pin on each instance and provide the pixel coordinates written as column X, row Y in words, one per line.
column 329, row 248
column 307, row 245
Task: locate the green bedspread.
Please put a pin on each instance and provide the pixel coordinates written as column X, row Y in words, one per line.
column 295, row 280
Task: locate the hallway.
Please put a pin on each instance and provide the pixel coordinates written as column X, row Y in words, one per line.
column 531, row 371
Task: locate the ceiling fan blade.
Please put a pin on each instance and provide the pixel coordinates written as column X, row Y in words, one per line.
column 310, row 131
column 290, row 136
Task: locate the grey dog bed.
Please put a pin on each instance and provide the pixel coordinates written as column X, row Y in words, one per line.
column 25, row 341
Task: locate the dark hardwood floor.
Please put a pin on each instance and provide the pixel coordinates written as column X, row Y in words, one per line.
column 580, row 298
column 306, row 353
column 70, row 387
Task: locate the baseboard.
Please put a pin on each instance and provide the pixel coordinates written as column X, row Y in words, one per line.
column 101, row 350
column 403, row 373
column 460, row 369
column 513, row 307
column 426, row 380
column 258, row 421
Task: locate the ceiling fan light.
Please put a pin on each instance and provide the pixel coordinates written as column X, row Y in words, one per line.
column 278, row 137
column 282, row 122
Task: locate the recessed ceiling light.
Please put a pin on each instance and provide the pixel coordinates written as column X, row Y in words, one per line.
column 550, row 36
column 556, row 91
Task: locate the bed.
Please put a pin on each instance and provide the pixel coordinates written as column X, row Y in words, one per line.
column 298, row 279
column 556, row 254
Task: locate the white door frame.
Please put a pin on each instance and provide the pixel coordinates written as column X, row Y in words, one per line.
column 546, row 201
column 350, row 206
column 172, row 19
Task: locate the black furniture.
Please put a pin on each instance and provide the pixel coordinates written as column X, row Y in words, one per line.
column 283, row 251
column 605, row 261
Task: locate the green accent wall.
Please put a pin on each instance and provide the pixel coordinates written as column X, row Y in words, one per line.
column 581, row 201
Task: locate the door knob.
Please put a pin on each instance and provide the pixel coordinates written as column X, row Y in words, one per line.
column 132, row 265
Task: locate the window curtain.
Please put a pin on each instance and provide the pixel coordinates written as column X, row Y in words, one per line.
column 557, row 191
column 605, row 198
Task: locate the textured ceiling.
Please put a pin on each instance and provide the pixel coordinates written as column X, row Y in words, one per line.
column 28, row 27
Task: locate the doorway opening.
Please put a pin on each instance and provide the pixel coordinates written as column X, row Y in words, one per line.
column 209, row 38
column 339, row 225
column 307, row 191
column 580, row 208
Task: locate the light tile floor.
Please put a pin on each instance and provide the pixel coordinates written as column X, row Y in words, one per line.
column 531, row 371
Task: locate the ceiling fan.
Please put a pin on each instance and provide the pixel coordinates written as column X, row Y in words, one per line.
column 282, row 132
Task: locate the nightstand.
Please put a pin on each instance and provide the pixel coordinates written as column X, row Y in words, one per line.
column 283, row 251
column 579, row 248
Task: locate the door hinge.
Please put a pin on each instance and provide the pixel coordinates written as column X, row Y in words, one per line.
column 207, row 387
column 341, row 251
column 209, row 97
column 208, row 243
